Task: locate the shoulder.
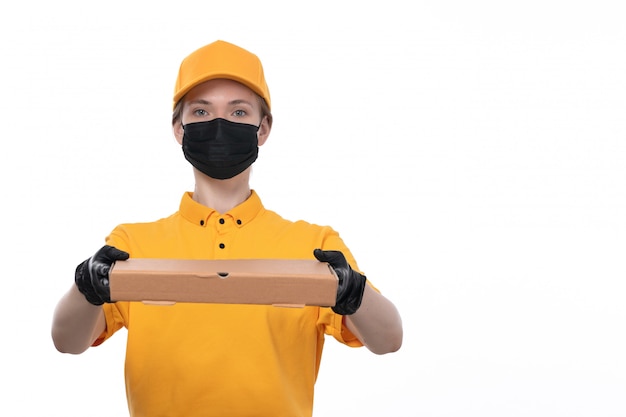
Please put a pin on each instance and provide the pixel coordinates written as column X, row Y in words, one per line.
column 298, row 226
column 126, row 235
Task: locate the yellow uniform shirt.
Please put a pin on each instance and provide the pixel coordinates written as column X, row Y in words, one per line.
column 217, row 359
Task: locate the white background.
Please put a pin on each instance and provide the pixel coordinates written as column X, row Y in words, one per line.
column 471, row 154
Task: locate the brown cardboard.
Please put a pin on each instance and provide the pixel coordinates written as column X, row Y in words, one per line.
column 288, row 282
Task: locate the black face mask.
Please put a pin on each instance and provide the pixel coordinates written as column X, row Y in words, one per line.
column 220, row 148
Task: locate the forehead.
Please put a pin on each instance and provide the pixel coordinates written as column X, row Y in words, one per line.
column 221, row 88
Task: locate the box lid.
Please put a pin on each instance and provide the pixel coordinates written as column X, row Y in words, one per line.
column 281, row 282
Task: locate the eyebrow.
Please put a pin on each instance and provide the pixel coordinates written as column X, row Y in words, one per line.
column 199, row 101
column 232, row 102
column 240, row 101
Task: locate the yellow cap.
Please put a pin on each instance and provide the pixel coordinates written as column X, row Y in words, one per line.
column 221, row 60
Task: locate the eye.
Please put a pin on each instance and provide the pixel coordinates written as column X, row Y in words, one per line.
column 240, row 113
column 200, row 112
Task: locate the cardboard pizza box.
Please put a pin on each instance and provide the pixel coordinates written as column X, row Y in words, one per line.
column 279, row 282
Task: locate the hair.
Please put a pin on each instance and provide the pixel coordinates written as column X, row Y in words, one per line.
column 265, row 110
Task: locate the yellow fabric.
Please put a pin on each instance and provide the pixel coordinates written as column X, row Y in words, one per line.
column 221, row 60
column 216, row 359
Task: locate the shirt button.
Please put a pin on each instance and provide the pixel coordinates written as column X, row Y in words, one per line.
column 222, row 246
column 238, row 221
column 221, row 221
column 201, row 222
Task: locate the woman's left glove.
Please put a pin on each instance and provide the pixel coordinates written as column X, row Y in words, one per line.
column 351, row 283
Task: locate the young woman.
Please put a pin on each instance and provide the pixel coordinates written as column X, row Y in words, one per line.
column 193, row 359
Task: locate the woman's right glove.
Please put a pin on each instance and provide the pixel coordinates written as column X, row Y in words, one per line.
column 92, row 275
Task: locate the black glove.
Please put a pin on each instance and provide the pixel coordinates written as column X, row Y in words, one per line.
column 351, row 283
column 92, row 275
